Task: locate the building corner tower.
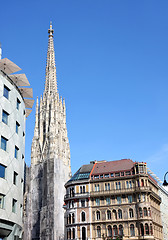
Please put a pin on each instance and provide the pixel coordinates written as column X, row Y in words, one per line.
column 50, row 161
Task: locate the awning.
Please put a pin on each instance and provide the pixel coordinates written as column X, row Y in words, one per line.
column 29, row 103
column 26, row 92
column 20, row 79
column 28, row 111
column 8, row 66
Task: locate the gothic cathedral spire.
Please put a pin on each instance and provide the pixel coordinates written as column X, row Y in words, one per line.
column 51, row 81
column 50, row 161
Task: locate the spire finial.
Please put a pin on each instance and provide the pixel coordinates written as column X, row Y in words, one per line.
column 50, row 31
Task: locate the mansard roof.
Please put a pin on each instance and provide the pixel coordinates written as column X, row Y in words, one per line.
column 112, row 166
column 83, row 172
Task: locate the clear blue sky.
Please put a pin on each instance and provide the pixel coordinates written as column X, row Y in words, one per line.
column 112, row 69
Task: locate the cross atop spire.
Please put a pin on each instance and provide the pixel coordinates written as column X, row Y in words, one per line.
column 51, row 81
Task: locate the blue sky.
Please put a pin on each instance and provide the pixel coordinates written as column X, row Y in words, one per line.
column 111, row 58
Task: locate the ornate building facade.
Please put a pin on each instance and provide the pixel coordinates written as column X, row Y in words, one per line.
column 50, row 161
column 120, row 201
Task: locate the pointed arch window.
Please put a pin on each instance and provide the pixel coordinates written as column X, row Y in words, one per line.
column 108, row 214
column 98, row 232
column 115, row 230
column 109, row 231
column 120, row 230
column 131, row 213
column 83, row 216
column 120, row 214
column 132, row 230
column 97, row 215
column 146, row 229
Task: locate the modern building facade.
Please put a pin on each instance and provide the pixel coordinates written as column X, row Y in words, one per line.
column 121, row 202
column 13, row 114
column 163, row 193
column 50, row 161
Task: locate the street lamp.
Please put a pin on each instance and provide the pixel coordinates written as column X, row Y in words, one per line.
column 165, row 183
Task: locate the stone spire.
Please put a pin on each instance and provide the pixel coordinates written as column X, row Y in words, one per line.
column 50, row 161
column 51, row 81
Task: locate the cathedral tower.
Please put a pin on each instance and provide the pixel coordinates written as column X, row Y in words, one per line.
column 50, row 161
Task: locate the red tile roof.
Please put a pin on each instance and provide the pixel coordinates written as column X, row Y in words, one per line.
column 113, row 166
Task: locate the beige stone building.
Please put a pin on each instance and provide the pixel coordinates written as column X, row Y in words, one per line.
column 123, row 202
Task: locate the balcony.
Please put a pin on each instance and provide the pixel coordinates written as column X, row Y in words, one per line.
column 119, row 191
column 76, row 195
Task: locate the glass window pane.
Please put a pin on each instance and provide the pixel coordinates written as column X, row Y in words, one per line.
column 6, row 92
column 16, row 152
column 1, row 201
column 2, row 171
column 3, row 143
column 5, row 117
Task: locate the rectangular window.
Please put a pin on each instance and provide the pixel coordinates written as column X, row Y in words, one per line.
column 130, row 198
column 117, row 174
column 14, row 205
column 17, row 127
column 118, row 186
column 106, row 175
column 127, row 183
column 118, row 199
column 122, row 173
column 16, row 152
column 1, row 201
column 4, row 143
column 112, row 174
column 127, row 173
column 97, row 202
column 107, row 201
column 2, row 171
column 15, row 176
column 83, row 203
column 5, row 117
column 18, row 104
column 96, row 176
column 6, row 92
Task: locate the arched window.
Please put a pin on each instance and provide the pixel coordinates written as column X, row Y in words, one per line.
column 83, row 233
column 131, row 213
column 140, row 212
column 108, row 186
column 83, row 216
column 132, row 230
column 73, row 233
column 141, row 229
column 105, row 186
column 145, row 212
column 142, row 183
column 98, row 232
column 69, row 218
column 69, row 233
column 109, row 231
column 83, row 189
column 146, row 229
column 151, row 229
column 73, row 218
column 114, row 214
column 115, row 230
column 120, row 230
column 120, row 214
column 97, row 215
column 149, row 212
column 108, row 214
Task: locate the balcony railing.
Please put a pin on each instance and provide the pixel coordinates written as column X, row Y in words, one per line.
column 76, row 195
column 119, row 191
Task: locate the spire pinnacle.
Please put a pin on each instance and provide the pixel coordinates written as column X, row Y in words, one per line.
column 50, row 30
column 51, row 81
